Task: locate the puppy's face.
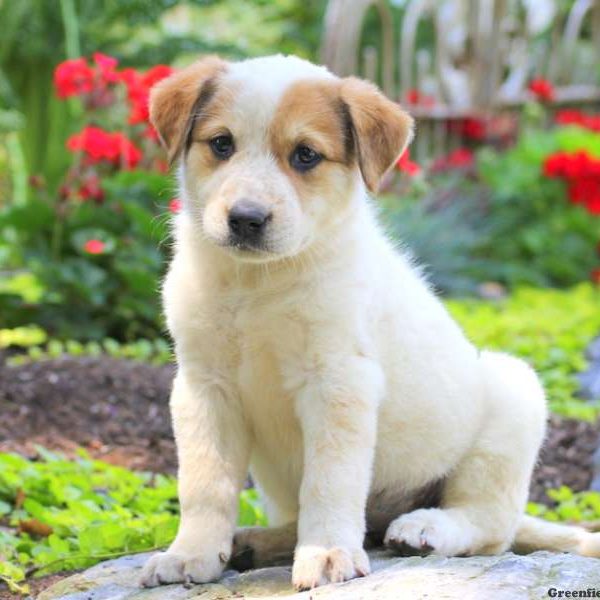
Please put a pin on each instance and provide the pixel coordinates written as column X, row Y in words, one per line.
column 272, row 149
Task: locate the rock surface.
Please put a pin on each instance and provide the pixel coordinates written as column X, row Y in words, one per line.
column 505, row 577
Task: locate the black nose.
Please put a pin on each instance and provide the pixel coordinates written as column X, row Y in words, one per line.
column 247, row 220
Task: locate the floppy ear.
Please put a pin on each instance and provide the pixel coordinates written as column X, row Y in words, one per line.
column 176, row 100
column 382, row 130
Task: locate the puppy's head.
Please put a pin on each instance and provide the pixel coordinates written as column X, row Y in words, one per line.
column 272, row 149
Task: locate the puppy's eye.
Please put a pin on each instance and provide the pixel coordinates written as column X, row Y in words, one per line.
column 222, row 146
column 305, row 158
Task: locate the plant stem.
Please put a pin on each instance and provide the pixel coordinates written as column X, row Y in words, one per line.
column 71, row 25
column 18, row 169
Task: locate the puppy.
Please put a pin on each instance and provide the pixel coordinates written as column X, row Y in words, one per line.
column 313, row 353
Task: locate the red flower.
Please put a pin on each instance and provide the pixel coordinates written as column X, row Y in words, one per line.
column 94, row 246
column 107, row 66
column 576, row 117
column 582, row 174
column 461, row 158
column 155, row 74
column 73, row 78
column 101, row 145
column 595, row 276
column 473, row 129
column 175, row 205
column 542, row 89
column 138, row 90
column 406, row 165
column 417, row 98
column 127, row 151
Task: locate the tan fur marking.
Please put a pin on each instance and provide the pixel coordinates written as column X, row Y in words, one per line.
column 172, row 101
column 308, row 114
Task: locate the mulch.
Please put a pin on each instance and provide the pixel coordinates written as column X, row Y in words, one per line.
column 118, row 411
column 115, row 409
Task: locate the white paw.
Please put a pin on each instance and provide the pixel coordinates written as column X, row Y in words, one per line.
column 169, row 567
column 430, row 530
column 315, row 565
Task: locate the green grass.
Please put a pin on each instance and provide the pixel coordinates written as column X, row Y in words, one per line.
column 548, row 328
column 91, row 510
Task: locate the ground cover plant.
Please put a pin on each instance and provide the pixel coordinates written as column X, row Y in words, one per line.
column 60, row 514
column 549, row 328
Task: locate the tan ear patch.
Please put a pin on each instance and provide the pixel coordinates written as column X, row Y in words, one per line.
column 382, row 129
column 175, row 101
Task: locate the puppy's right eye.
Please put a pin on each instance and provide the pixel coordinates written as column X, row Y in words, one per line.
column 222, row 146
column 304, row 158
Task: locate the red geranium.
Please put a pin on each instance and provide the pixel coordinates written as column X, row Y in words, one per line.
column 473, row 129
column 94, row 246
column 73, row 78
column 406, row 165
column 416, row 98
column 106, row 67
column 542, row 89
column 576, row 117
column 100, row 145
column 461, row 158
column 76, row 77
column 581, row 171
column 138, row 90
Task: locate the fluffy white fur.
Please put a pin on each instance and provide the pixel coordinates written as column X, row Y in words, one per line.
column 335, row 375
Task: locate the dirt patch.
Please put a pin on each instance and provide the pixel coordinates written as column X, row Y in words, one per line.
column 566, row 457
column 118, row 410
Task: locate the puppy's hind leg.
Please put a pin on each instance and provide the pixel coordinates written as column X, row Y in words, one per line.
column 485, row 496
column 257, row 547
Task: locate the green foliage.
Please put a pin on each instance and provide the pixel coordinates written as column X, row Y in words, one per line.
column 534, row 232
column 569, row 506
column 22, row 337
column 446, row 239
column 156, row 352
column 60, row 514
column 78, row 295
column 548, row 328
column 507, row 222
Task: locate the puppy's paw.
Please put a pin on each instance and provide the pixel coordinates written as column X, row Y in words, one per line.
column 429, row 530
column 315, row 565
column 170, row 567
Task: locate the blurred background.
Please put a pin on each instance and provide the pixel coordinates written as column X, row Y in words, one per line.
column 498, row 197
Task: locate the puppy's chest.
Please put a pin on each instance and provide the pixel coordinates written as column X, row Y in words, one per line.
column 272, row 350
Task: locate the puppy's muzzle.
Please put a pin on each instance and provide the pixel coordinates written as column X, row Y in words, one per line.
column 247, row 222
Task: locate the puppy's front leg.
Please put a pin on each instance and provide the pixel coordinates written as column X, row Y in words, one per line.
column 338, row 415
column 213, row 449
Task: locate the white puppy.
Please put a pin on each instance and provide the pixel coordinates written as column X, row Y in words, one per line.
column 312, row 352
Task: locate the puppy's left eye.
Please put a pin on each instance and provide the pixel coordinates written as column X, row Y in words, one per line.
column 222, row 146
column 305, row 158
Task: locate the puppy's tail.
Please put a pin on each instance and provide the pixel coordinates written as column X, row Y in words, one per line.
column 537, row 534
